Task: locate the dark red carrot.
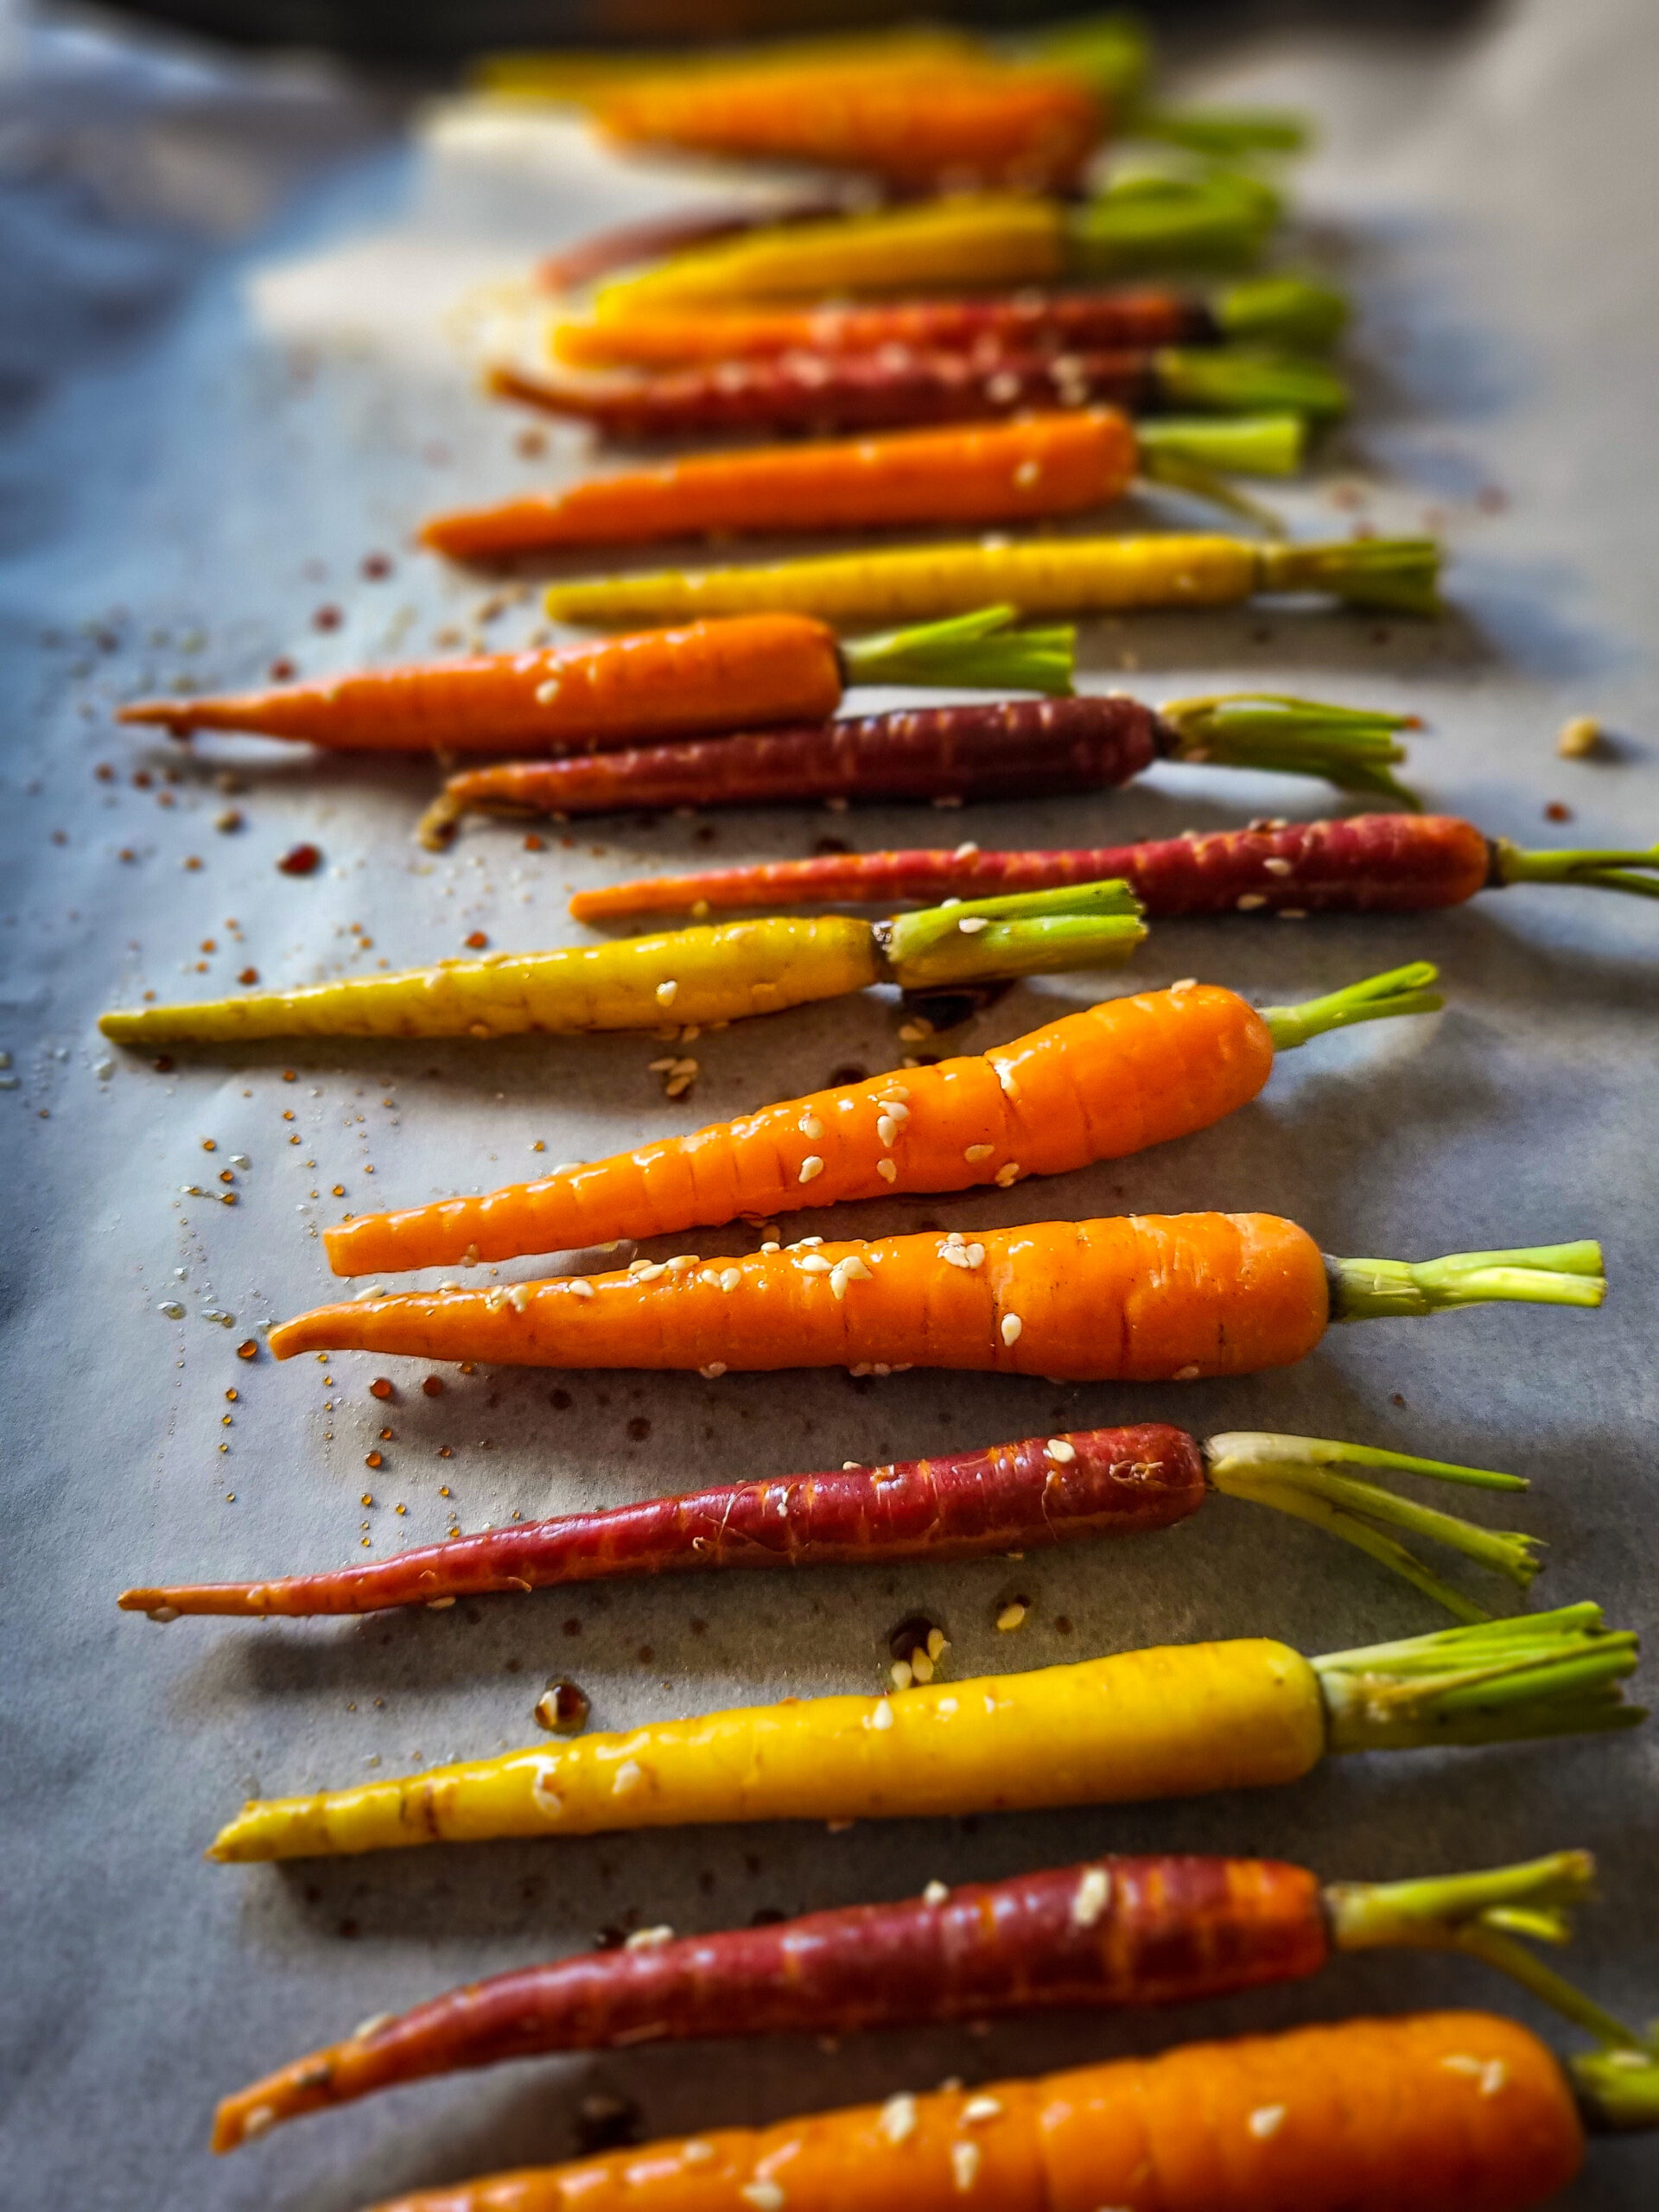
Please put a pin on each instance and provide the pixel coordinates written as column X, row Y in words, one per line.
column 1371, row 863
column 1018, row 749
column 1039, row 1491
column 891, row 387
column 1112, row 1932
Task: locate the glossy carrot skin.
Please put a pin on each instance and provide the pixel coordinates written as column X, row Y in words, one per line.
column 1153, row 1297
column 1051, row 464
column 849, row 391
column 1118, row 1482
column 1113, row 1079
column 702, row 676
column 915, row 124
column 1022, row 322
column 1169, row 1929
column 604, row 252
column 1436, row 2111
column 1034, row 748
column 1368, row 864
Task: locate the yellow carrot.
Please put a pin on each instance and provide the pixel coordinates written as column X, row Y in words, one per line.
column 1175, row 1721
column 1054, row 574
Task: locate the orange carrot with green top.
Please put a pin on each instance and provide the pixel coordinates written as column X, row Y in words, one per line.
column 760, row 667
column 1153, row 1297
column 1128, row 1073
column 1049, row 464
column 1439, row 2112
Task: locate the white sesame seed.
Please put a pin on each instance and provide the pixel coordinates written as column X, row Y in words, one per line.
column 1012, row 1324
column 1460, row 2062
column 946, row 1705
column 1250, row 900
column 1060, row 1449
column 900, row 1674
column 375, row 2022
column 680, row 1262
column 887, row 1171
column 810, row 1125
column 1094, row 1894
column 964, row 2165
column 892, row 1104
column 712, row 1371
column 974, row 1153
column 1186, row 983
column 629, row 1776
column 1007, row 1174
column 730, row 1278
column 258, row 2121
column 882, row 1716
column 649, row 1272
column 978, row 2108
column 898, row 2118
column 547, row 1800
column 1184, row 1375
column 887, row 1128
column 764, row 2196
column 667, row 993
column 1266, row 2120
column 971, row 924
column 648, row 1939
column 814, row 1264
column 811, row 1166
column 967, row 850
column 1010, row 1616
column 579, row 1287
column 548, row 692
column 935, row 1893
column 697, row 2153
column 1028, row 473
column 1276, row 866
column 1493, row 2075
column 921, row 1666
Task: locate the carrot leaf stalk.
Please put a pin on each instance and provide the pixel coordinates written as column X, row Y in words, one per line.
column 1398, row 574
column 1352, row 747
column 1635, row 870
column 1280, row 311
column 1238, row 379
column 1620, row 2085
column 981, row 649
column 1111, row 54
column 1485, row 1915
column 1179, row 448
column 1024, row 933
column 1293, row 1475
column 1541, row 1274
column 1222, row 133
column 1149, row 221
column 1495, row 1682
column 1378, row 998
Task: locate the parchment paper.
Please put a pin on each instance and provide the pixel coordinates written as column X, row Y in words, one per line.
column 230, row 376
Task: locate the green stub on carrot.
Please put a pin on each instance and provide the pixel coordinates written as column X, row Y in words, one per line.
column 1027, row 933
column 1352, row 747
column 982, row 649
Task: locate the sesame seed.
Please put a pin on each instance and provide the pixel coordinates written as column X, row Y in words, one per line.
column 1010, row 1616
column 1293, row 913
column 1493, row 2075
column 935, row 1893
column 1186, row 983
column 978, row 2108
column 892, row 1104
column 900, row 1674
column 1028, row 473
column 1266, row 2120
column 883, row 1168
column 1012, row 1324
column 898, row 2118
column 882, row 1716
column 648, row 1939
column 971, row 924
column 810, row 1125
column 1276, row 866
column 764, row 2196
column 811, row 1166
column 967, row 850
column 814, row 1264
column 887, row 1128
column 1184, row 1375
column 730, row 1278
column 1578, row 737
column 976, row 1152
column 1251, row 901
column 258, row 2121
column 697, row 2153
column 1060, row 1449
column 680, row 1262
column 1094, row 1894
column 667, row 993
column 629, row 1776
column 964, row 2165
column 712, row 1371
column 649, row 1272
column 580, row 1287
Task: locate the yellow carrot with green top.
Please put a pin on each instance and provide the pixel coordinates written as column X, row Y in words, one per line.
column 1073, row 575
column 1176, row 1721
column 719, row 973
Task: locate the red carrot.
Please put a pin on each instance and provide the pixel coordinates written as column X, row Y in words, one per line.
column 1371, row 863
column 891, row 387
column 1042, row 1490
column 1114, row 1932
column 1023, row 749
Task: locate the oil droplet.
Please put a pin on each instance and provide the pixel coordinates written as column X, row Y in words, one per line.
column 300, row 860
column 381, row 1388
column 374, row 1459
column 563, row 1706
column 248, row 1348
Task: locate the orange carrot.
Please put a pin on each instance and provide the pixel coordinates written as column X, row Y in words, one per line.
column 1124, row 1074
column 1056, row 463
column 1436, row 2112
column 719, row 674
column 918, row 124
column 1154, row 1298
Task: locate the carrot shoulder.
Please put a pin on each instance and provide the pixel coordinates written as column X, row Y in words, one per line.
column 1127, row 1073
column 1443, row 2112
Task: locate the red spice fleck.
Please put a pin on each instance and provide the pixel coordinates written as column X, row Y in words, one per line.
column 163, row 1065
column 477, row 940
column 469, row 1367
column 535, row 844
column 126, row 852
column 1558, row 811
column 60, row 836
column 190, row 863
column 381, row 1388
column 248, row 1348
column 433, row 1386
column 227, row 1175
column 639, row 1429
column 142, row 779
column 386, row 1436
column 326, row 618
column 248, row 975
column 532, row 443
column 301, row 860
column 105, row 772
column 374, row 1458
column 376, row 565
column 280, row 671
column 832, row 845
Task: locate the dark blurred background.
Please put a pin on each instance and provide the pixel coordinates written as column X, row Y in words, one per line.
column 448, row 29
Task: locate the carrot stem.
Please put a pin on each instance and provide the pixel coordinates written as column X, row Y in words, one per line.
column 1237, row 379
column 1542, row 1275
column 1222, row 133
column 1635, row 870
column 1148, row 222
column 1495, row 1681
column 1179, row 448
column 1620, row 2086
column 1352, row 747
column 1280, row 311
column 1023, row 934
column 1293, row 1475
column 1378, row 998
column 981, row 649
column 1110, row 53
column 1395, row 574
